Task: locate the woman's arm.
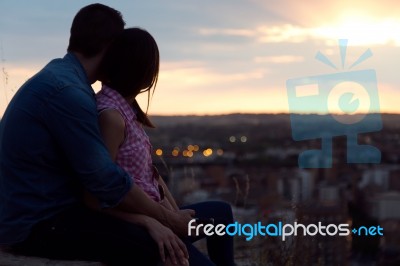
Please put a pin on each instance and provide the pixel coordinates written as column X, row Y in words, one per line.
column 112, row 127
column 168, row 195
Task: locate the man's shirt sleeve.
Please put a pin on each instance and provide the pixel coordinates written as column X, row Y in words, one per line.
column 73, row 120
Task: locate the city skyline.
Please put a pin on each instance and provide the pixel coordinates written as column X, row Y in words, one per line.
column 219, row 57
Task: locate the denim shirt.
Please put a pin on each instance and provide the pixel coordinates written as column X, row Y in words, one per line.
column 51, row 149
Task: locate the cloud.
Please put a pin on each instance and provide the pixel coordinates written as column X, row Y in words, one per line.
column 226, row 32
column 203, row 102
column 360, row 31
column 193, row 87
column 388, row 98
column 279, row 59
column 264, row 34
column 194, row 74
column 311, row 13
column 364, row 22
column 283, row 33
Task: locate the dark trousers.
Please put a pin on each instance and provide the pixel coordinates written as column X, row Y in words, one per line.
column 79, row 233
column 220, row 248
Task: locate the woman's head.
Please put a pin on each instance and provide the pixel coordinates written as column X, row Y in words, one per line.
column 131, row 64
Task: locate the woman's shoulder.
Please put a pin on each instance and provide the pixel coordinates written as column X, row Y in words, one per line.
column 112, row 118
column 106, row 100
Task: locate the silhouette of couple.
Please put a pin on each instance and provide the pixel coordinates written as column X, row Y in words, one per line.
column 76, row 175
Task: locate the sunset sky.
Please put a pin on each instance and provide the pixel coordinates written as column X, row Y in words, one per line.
column 220, row 57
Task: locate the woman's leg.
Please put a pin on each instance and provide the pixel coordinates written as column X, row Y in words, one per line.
column 196, row 258
column 220, row 248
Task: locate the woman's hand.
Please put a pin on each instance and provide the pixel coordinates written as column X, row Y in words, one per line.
column 167, row 204
column 178, row 221
column 168, row 242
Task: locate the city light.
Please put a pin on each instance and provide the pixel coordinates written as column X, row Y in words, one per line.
column 187, row 153
column 207, row 152
column 175, row 152
column 159, row 152
column 232, row 139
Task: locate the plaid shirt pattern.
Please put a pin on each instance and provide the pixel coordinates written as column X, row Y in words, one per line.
column 134, row 155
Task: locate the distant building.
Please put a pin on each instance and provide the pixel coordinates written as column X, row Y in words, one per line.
column 386, row 206
column 378, row 176
column 318, row 249
column 394, row 180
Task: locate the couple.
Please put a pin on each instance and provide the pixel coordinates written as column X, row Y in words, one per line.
column 76, row 177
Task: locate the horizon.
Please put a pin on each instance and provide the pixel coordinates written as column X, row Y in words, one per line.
column 236, row 113
column 265, row 113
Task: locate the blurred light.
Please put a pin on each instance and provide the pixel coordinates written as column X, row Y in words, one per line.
column 159, row 152
column 189, row 154
column 220, row 152
column 196, row 148
column 185, row 153
column 190, row 148
column 207, row 152
column 175, row 152
column 232, row 138
column 243, row 138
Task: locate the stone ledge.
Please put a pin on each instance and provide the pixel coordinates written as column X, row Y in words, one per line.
column 9, row 259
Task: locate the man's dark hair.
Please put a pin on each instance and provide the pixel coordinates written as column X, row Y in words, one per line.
column 93, row 29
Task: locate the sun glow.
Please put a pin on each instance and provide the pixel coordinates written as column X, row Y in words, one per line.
column 362, row 29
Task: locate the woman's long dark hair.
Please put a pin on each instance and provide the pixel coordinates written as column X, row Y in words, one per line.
column 131, row 66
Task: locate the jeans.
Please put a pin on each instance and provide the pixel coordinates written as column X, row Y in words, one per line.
column 79, row 233
column 220, row 248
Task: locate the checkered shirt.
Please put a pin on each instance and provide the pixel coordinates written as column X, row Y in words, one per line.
column 134, row 155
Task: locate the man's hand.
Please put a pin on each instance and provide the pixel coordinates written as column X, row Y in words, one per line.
column 168, row 243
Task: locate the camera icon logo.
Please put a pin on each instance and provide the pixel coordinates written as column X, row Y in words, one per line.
column 349, row 104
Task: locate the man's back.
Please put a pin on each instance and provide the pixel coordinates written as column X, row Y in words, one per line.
column 50, row 147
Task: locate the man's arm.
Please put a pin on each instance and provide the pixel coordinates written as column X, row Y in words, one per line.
column 72, row 120
column 164, row 237
column 136, row 201
column 71, row 116
column 112, row 127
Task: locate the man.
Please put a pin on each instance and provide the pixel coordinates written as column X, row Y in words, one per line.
column 51, row 150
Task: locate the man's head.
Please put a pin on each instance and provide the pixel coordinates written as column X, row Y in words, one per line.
column 93, row 29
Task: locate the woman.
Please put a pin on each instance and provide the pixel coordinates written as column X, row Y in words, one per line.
column 130, row 67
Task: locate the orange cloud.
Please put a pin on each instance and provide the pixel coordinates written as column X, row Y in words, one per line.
column 310, row 13
column 279, row 59
column 184, row 74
